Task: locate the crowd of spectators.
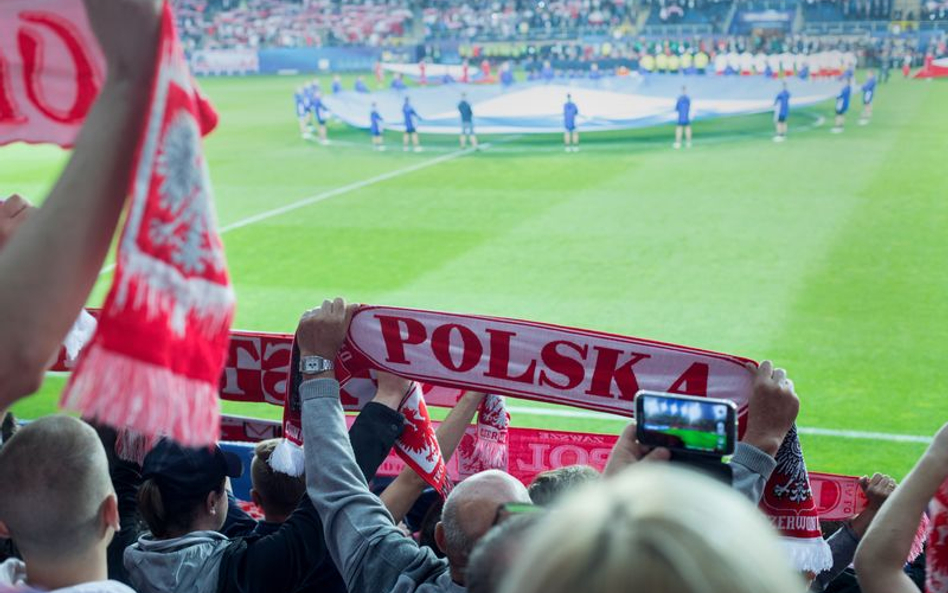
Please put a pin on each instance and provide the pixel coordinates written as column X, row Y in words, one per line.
column 210, row 24
column 253, row 24
column 630, row 53
column 74, row 517
column 526, row 18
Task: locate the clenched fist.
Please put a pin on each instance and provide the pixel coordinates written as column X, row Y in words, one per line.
column 772, row 410
column 322, row 330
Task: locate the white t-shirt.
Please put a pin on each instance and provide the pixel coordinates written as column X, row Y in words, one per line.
column 13, row 579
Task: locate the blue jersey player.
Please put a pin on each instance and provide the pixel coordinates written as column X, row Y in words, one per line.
column 302, row 112
column 571, row 134
column 868, row 94
column 683, row 109
column 375, row 127
column 410, row 117
column 842, row 106
column 319, row 111
column 467, row 122
column 781, row 111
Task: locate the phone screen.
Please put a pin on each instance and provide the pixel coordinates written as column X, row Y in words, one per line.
column 686, row 423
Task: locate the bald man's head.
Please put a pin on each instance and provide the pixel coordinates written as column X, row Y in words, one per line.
column 57, row 499
column 470, row 511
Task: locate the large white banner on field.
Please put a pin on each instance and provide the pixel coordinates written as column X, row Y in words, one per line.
column 614, row 103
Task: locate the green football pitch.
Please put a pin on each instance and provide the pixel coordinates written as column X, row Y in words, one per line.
column 696, row 440
column 826, row 253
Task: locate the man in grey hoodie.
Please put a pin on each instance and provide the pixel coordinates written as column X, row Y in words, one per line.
column 374, row 556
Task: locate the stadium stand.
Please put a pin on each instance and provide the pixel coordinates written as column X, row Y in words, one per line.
column 569, row 33
column 267, row 23
column 76, row 514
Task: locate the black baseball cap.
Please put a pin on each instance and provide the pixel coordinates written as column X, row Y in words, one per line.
column 188, row 472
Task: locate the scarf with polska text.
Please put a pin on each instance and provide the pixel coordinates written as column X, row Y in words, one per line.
column 155, row 360
column 450, row 352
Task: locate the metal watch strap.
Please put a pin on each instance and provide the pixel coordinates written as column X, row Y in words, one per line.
column 313, row 365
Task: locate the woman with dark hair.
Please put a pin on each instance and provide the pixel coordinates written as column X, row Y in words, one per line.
column 183, row 501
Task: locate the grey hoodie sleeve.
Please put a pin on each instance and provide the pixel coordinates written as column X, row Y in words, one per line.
column 843, row 544
column 751, row 469
column 369, row 551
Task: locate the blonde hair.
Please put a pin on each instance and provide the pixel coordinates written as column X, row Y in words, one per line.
column 654, row 529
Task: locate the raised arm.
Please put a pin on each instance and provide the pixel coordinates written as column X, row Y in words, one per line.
column 284, row 561
column 51, row 264
column 771, row 412
column 886, row 545
column 369, row 551
column 402, row 493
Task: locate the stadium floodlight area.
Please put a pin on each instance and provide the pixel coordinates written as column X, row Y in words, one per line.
column 615, row 103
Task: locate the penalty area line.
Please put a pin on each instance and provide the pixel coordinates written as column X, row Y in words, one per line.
column 806, row 430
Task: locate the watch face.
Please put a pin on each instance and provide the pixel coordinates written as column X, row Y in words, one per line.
column 315, row 364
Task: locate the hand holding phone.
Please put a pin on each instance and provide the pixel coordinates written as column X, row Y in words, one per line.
column 686, row 424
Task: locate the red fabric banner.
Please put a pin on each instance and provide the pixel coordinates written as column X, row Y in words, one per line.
column 51, row 70
column 256, row 371
column 533, row 450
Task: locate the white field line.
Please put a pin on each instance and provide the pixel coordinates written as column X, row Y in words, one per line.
column 315, row 199
column 826, row 432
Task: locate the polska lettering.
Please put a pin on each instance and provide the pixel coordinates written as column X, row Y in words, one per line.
column 538, row 361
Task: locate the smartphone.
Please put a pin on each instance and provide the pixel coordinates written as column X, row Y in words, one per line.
column 684, row 423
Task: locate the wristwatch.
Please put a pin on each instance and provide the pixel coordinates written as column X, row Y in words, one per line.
column 314, row 365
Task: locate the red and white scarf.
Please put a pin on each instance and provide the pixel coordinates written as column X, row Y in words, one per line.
column 450, row 352
column 788, row 501
column 936, row 569
column 487, row 446
column 154, row 363
column 538, row 361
